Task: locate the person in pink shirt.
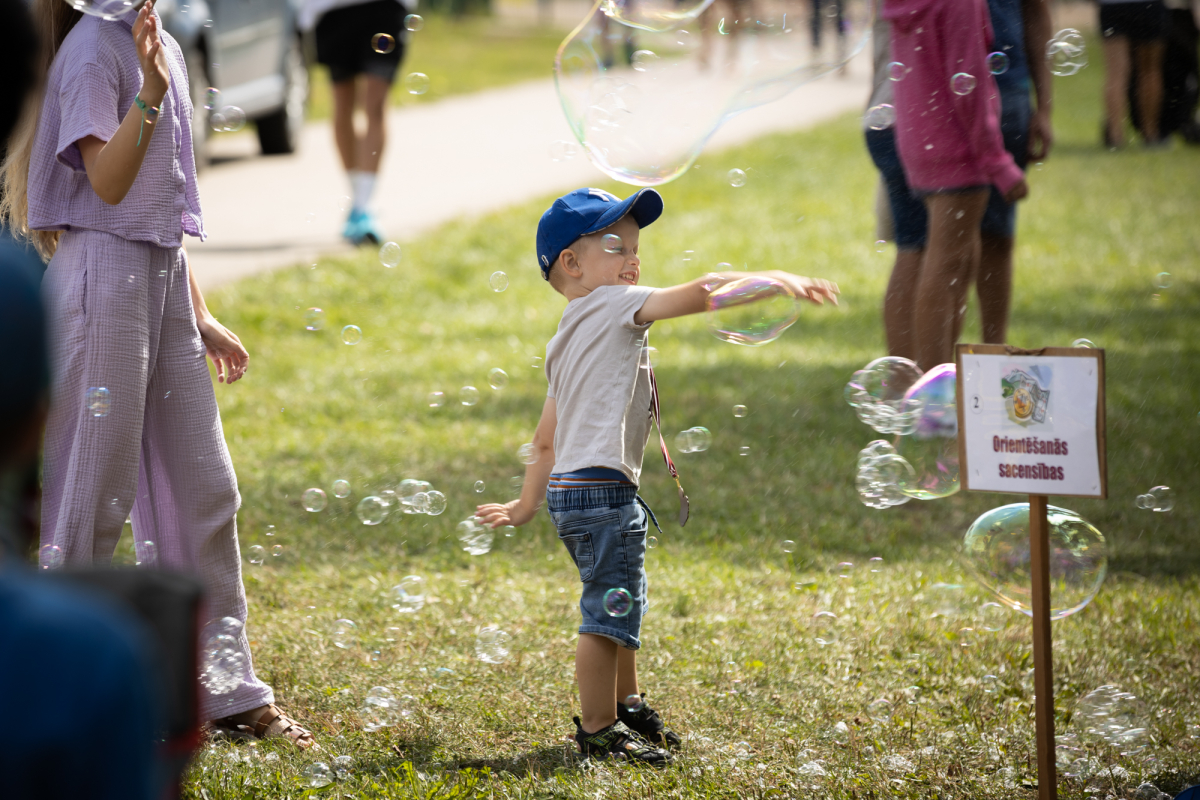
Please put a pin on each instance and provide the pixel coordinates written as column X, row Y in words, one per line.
column 949, row 139
column 101, row 179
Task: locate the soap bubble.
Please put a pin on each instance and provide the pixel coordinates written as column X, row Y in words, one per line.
column 1114, row 716
column 932, row 449
column 652, row 542
column 997, row 548
column 256, row 554
column 789, row 546
column 50, row 556
column 491, row 645
column 634, row 702
column 1163, row 280
column 693, row 440
column 825, row 628
column 341, row 766
column 98, row 401
column 647, row 356
column 420, row 502
column 314, row 499
column 880, row 117
column 408, row 596
column 389, row 254
column 414, row 22
column 416, row 83
column 1083, row 343
column 383, row 43
column 468, row 395
column 211, row 95
column 381, row 709
column 351, row 334
column 476, row 539
column 497, row 378
column 222, row 663
column 435, row 503
column 896, row 71
column 498, row 281
column 962, row 83
column 479, row 487
column 744, row 450
column 993, row 617
column 997, row 63
column 739, row 411
column 751, row 311
column 611, row 243
column 881, row 479
column 344, row 633
column 873, row 450
column 646, row 126
column 617, row 602
column 277, row 551
column 880, row 710
column 1160, row 498
column 228, row 119
column 526, row 454
column 371, row 510
column 737, row 178
column 878, row 393
column 1066, row 52
column 843, row 569
column 314, row 319
column 563, row 150
column 341, row 488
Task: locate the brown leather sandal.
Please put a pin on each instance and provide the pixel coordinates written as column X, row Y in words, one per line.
column 271, row 724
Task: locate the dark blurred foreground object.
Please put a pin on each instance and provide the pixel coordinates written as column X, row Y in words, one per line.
column 1180, row 81
column 168, row 606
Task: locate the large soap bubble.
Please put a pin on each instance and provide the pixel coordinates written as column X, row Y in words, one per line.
column 878, row 394
column 997, row 549
column 644, row 84
column 932, row 447
column 751, row 311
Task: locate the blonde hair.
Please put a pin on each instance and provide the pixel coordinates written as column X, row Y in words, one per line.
column 53, row 20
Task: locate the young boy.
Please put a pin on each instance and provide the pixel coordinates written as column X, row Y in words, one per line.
column 589, row 445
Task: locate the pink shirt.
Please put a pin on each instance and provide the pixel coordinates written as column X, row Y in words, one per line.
column 90, row 88
column 947, row 140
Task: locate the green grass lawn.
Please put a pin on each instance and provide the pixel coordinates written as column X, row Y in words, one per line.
column 729, row 654
column 459, row 56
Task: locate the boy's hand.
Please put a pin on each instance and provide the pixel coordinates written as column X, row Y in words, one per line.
column 493, row 515
column 816, row 290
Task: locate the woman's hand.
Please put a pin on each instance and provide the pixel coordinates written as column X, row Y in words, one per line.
column 156, row 78
column 224, row 348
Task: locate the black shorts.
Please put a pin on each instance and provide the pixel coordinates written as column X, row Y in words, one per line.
column 344, row 40
column 1142, row 21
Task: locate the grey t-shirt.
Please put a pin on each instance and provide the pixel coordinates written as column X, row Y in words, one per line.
column 602, row 392
column 881, row 86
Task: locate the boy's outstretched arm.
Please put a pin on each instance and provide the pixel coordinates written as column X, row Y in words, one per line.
column 537, row 476
column 689, row 298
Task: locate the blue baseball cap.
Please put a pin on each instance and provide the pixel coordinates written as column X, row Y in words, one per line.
column 585, row 211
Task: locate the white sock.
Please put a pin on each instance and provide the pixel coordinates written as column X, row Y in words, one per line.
column 352, row 177
column 363, row 185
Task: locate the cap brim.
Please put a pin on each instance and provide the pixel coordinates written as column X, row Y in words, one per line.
column 646, row 205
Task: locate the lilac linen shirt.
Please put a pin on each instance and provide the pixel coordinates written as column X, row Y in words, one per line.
column 91, row 87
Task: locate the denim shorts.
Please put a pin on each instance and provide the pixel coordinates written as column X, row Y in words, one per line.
column 604, row 529
column 908, row 208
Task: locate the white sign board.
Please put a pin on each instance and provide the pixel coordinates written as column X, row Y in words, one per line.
column 1031, row 423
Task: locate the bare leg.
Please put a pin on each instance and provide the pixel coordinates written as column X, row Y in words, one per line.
column 596, row 671
column 371, row 144
column 343, row 123
column 994, row 286
column 1149, row 57
column 1116, row 82
column 899, row 301
column 951, row 254
column 627, row 680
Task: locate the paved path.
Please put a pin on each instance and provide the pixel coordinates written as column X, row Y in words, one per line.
column 462, row 156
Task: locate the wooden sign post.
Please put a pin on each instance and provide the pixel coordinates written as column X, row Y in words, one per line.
column 1033, row 422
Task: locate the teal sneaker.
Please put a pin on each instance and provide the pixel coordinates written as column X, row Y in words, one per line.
column 353, row 232
column 369, row 229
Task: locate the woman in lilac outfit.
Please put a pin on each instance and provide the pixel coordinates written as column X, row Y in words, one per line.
column 102, row 180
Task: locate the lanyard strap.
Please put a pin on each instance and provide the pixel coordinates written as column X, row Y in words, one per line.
column 684, row 507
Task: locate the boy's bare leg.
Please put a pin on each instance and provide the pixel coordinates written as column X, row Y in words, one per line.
column 627, row 680
column 1149, row 57
column 994, row 286
column 898, row 304
column 951, row 258
column 375, row 104
column 596, row 671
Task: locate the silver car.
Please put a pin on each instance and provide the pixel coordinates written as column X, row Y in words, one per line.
column 251, row 52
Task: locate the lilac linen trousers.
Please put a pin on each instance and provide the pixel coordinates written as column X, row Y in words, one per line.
column 121, row 317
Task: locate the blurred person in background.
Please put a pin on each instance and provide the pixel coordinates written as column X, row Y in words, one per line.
column 1134, row 33
column 362, row 42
